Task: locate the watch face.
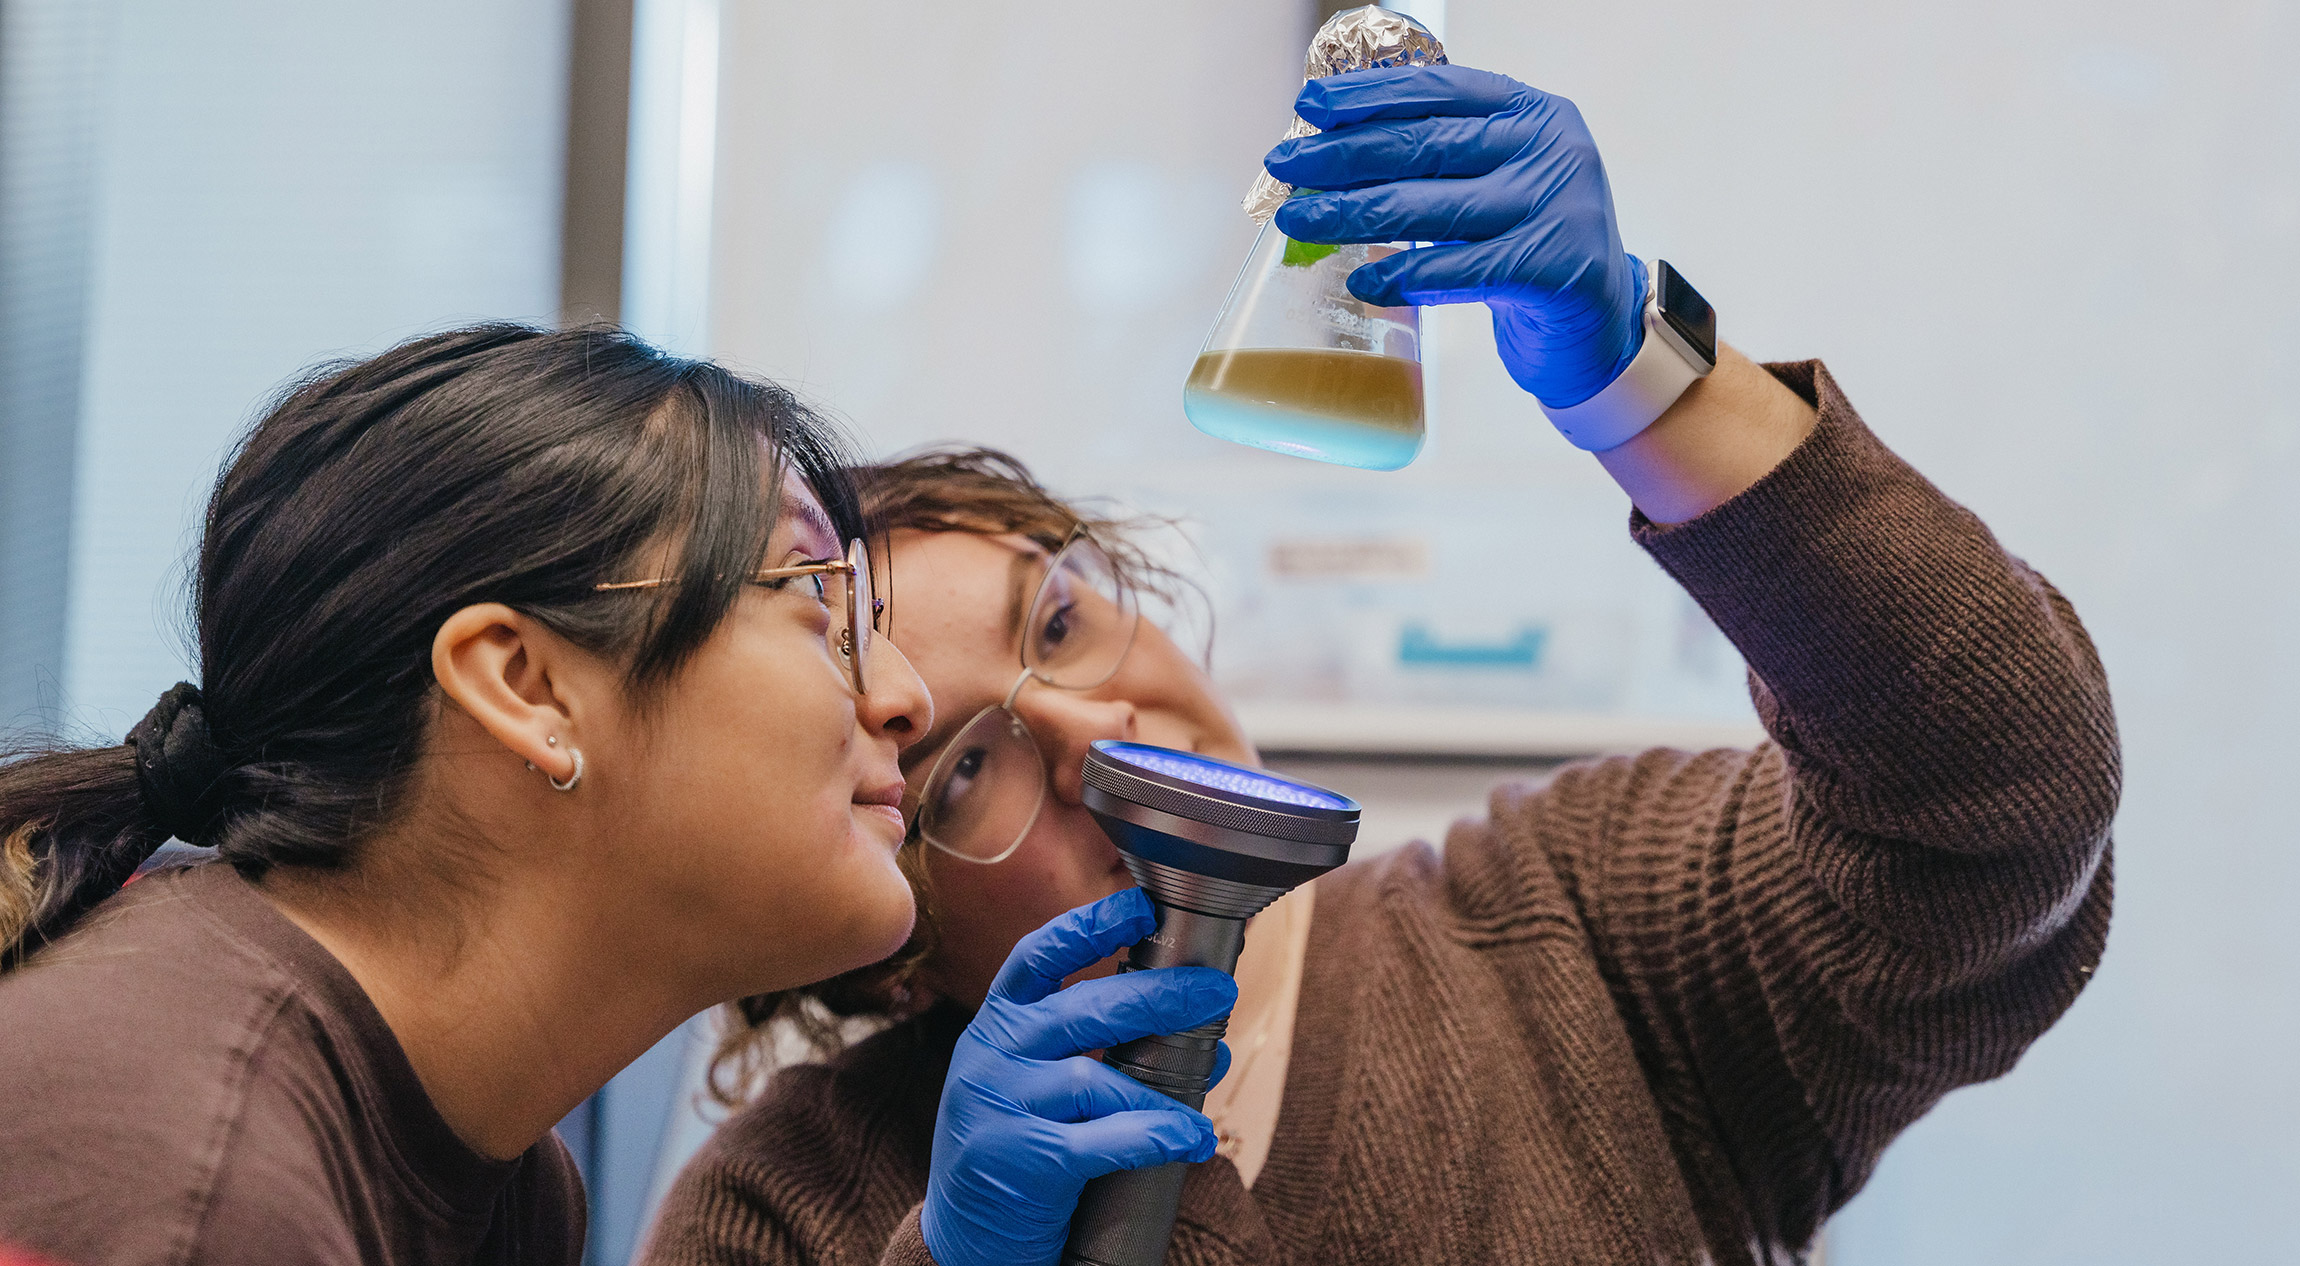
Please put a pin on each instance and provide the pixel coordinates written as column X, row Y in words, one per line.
column 1687, row 312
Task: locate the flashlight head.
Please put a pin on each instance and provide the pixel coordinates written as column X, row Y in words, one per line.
column 1210, row 836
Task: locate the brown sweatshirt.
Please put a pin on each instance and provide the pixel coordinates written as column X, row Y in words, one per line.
column 1664, row 1008
column 186, row 1077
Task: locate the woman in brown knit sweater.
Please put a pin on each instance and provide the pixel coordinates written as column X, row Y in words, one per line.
column 1662, row 1008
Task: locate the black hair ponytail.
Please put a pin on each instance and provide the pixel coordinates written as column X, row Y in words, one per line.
column 499, row 463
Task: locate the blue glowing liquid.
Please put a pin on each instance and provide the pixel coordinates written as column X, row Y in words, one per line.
column 1349, row 408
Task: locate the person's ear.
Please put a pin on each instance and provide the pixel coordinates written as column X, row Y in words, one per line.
column 513, row 676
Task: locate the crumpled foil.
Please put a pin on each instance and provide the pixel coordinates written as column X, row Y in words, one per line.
column 1354, row 39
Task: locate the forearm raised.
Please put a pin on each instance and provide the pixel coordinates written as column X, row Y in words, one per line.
column 1926, row 685
column 1722, row 436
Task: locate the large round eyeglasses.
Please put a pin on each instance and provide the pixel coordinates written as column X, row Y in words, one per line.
column 850, row 633
column 985, row 789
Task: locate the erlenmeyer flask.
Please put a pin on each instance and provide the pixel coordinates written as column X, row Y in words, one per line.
column 1297, row 364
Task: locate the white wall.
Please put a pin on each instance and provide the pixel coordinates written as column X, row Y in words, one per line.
column 280, row 183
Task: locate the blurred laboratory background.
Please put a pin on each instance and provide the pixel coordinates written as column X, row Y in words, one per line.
column 2051, row 248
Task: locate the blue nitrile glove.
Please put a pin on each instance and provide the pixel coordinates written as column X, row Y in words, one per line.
column 1026, row 1119
column 1507, row 180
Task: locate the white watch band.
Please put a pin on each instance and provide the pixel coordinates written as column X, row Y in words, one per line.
column 1653, row 380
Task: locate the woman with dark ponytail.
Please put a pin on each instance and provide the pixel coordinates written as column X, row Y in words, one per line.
column 539, row 710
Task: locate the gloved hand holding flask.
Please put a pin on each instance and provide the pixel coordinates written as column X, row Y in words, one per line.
column 1027, row 1118
column 1500, row 194
column 1506, row 181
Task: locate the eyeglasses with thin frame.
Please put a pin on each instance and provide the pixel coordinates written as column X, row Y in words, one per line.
column 985, row 788
column 850, row 635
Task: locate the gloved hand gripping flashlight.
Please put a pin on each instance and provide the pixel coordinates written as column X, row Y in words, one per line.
column 1213, row 844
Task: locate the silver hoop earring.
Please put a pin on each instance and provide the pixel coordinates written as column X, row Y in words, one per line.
column 573, row 778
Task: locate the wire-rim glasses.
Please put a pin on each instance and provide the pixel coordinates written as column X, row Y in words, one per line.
column 850, row 635
column 986, row 787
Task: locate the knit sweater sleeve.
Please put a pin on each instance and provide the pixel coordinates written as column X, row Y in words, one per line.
column 1812, row 942
column 738, row 1211
column 827, row 1168
column 907, row 1246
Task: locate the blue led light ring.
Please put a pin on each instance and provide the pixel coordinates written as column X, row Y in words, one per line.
column 1205, row 772
column 1139, row 773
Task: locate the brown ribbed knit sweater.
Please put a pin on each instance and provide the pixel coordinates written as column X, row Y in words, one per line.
column 1667, row 1008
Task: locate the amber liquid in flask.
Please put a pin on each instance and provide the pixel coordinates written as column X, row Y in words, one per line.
column 1296, row 364
column 1350, row 408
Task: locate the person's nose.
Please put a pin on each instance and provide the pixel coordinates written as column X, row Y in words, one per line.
column 897, row 704
column 1066, row 725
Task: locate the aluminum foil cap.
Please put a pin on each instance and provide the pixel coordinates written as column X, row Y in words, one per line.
column 1354, row 39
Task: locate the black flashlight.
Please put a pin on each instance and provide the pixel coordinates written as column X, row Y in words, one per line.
column 1213, row 844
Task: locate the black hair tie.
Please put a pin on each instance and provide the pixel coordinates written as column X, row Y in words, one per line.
column 179, row 768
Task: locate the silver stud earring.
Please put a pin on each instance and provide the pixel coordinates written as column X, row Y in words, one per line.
column 550, row 740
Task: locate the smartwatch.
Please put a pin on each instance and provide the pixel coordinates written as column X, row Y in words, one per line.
column 1680, row 349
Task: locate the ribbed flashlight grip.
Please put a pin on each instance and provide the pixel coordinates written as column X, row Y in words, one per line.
column 1126, row 1218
